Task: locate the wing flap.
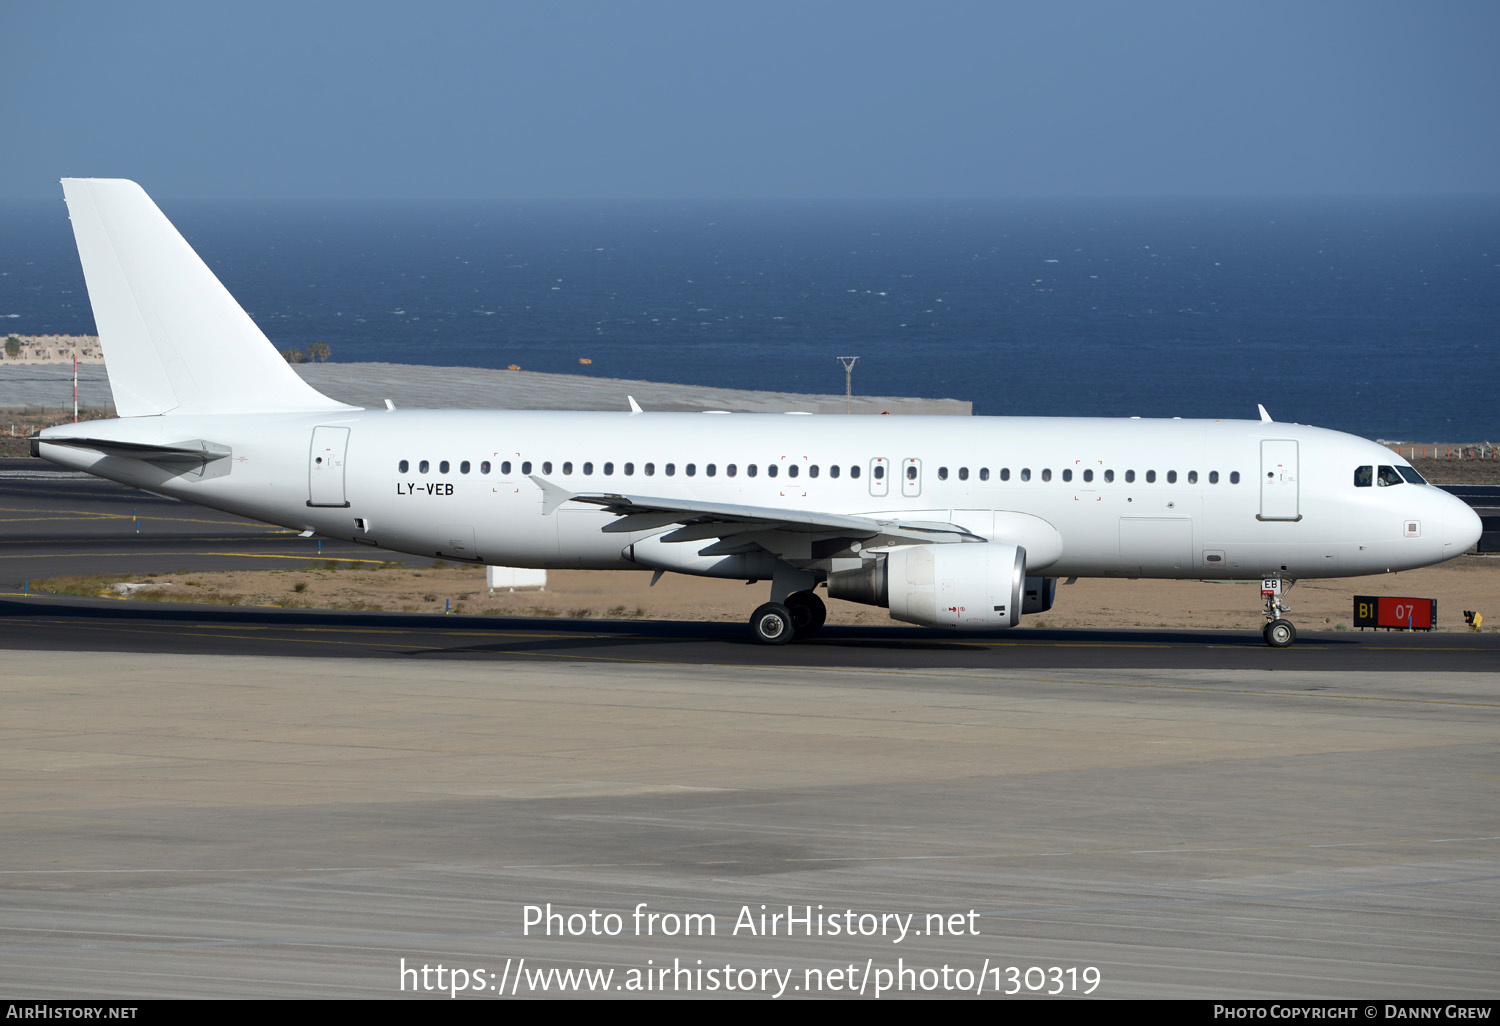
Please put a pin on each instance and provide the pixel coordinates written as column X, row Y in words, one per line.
column 734, row 528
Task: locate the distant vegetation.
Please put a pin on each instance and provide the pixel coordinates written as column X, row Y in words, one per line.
column 12, row 347
column 319, row 351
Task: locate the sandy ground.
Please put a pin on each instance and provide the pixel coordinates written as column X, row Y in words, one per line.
column 1469, row 582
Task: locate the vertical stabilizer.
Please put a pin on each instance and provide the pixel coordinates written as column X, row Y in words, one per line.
column 174, row 339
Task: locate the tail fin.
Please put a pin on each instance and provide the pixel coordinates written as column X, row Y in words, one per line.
column 174, row 339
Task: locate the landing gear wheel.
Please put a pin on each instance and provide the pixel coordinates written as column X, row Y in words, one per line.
column 772, row 624
column 1279, row 633
column 808, row 613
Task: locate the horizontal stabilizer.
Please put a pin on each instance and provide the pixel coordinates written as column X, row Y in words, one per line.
column 196, row 451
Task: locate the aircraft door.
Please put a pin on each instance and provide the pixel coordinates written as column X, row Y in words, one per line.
column 325, row 467
column 1278, row 480
column 880, row 476
column 911, row 477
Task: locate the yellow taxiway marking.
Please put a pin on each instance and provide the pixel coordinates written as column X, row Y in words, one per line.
column 324, row 558
column 84, row 514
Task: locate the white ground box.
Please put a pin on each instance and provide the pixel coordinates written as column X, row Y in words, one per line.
column 512, row 577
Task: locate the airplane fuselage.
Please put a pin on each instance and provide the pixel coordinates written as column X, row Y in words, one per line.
column 1087, row 497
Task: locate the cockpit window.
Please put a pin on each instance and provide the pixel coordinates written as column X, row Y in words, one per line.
column 1411, row 475
column 1388, row 476
column 1363, row 476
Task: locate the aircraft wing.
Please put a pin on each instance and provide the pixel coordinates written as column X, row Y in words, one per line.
column 740, row 528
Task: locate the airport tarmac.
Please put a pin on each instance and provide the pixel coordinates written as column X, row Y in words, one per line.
column 269, row 803
column 39, row 384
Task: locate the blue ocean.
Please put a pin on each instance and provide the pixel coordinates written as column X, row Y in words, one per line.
column 1375, row 316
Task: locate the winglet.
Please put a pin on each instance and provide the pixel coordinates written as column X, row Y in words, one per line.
column 1264, row 416
column 635, row 407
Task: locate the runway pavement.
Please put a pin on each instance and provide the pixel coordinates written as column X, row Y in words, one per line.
column 270, row 803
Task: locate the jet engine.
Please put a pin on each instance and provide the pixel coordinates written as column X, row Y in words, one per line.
column 978, row 586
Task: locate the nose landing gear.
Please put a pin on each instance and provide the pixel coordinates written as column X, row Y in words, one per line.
column 1278, row 631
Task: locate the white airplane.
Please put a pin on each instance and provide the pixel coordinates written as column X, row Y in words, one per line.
column 963, row 523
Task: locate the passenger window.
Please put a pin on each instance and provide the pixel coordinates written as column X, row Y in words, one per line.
column 588, row 468
column 854, row 471
column 630, row 470
column 1005, row 473
column 1388, row 476
column 833, row 470
column 670, row 470
column 1192, row 477
column 546, row 466
column 1047, row 474
column 1088, row 475
column 422, row 467
column 942, row 473
column 751, row 469
column 1234, row 477
column 691, row 470
column 1151, row 477
column 879, row 472
column 711, row 469
column 770, row 470
column 609, row 469
column 963, row 473
column 1067, row 473
column 463, row 468
column 443, row 467
column 1025, row 473
column 791, row 470
column 1213, row 477
column 526, row 467
column 1109, row 476
column 1129, row 477
column 984, row 473
column 650, row 469
column 403, row 466
column 731, row 470
column 812, row 471
column 1171, row 477
column 911, row 474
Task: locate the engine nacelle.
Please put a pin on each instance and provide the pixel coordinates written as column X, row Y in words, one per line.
column 962, row 586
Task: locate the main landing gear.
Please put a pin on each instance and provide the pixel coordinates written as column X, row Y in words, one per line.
column 777, row 623
column 1278, row 631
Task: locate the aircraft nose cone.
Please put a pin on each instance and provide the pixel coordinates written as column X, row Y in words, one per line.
column 1461, row 528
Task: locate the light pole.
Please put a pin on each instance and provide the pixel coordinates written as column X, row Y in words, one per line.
column 848, row 362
